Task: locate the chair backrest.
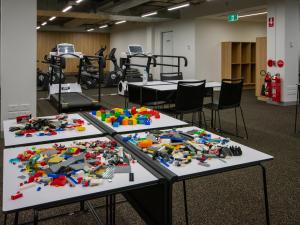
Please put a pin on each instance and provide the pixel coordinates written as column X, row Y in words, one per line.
column 171, row 76
column 231, row 93
column 189, row 96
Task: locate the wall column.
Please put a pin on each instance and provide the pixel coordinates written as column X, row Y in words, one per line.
column 283, row 44
column 18, row 58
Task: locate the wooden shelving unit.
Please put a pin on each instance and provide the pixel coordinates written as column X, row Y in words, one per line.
column 239, row 61
column 261, row 64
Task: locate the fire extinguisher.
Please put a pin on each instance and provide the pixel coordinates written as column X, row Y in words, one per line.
column 267, row 88
column 276, row 88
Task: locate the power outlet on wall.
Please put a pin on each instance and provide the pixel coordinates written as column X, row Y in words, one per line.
column 24, row 107
column 16, row 108
column 13, row 108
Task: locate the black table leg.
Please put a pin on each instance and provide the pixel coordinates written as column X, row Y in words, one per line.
column 110, row 210
column 185, row 204
column 107, row 210
column 82, row 206
column 5, row 219
column 92, row 210
column 297, row 100
column 212, row 112
column 114, row 209
column 16, row 221
column 35, row 217
column 265, row 194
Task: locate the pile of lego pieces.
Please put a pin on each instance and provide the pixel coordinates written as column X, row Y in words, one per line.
column 176, row 148
column 81, row 163
column 119, row 116
column 27, row 126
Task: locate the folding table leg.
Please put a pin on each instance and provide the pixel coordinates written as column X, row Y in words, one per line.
column 107, row 210
column 204, row 120
column 92, row 210
column 265, row 194
column 16, row 221
column 110, row 210
column 296, row 116
column 212, row 118
column 181, row 116
column 200, row 119
column 35, row 217
column 5, row 219
column 193, row 118
column 82, row 206
column 244, row 122
column 236, row 125
column 219, row 121
column 185, row 204
column 114, row 209
column 215, row 120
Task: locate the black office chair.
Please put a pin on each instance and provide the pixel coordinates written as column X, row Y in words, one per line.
column 297, row 103
column 171, row 76
column 230, row 98
column 189, row 99
column 143, row 97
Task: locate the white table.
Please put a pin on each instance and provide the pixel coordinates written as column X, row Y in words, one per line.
column 176, row 81
column 164, row 122
column 249, row 156
column 173, row 87
column 11, row 140
column 49, row 194
column 149, row 83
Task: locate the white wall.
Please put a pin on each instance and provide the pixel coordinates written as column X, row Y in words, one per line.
column 197, row 39
column 150, row 37
column 120, row 39
column 183, row 42
column 209, row 35
column 283, row 43
column 18, row 57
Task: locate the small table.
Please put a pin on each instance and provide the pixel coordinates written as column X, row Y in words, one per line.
column 164, row 121
column 135, row 91
column 173, row 88
column 10, row 140
column 250, row 157
column 50, row 196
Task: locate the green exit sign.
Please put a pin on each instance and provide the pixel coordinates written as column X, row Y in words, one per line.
column 233, row 17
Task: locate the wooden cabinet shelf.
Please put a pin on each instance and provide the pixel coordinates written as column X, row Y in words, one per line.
column 238, row 61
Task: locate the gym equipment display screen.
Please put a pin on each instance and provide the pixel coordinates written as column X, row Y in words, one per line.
column 65, row 49
column 135, row 49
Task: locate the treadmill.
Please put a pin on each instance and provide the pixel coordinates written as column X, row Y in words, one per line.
column 68, row 97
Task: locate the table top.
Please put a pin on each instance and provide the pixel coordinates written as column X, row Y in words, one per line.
column 11, row 140
column 176, row 81
column 249, row 156
column 165, row 121
column 49, row 194
column 149, row 83
column 173, row 87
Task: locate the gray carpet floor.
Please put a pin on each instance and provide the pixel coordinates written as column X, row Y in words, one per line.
column 231, row 198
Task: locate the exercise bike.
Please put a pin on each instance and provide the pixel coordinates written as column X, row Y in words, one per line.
column 89, row 70
column 113, row 77
column 43, row 78
column 89, row 74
